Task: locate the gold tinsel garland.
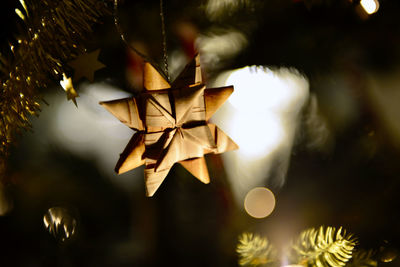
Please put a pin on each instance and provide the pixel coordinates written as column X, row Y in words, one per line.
column 53, row 34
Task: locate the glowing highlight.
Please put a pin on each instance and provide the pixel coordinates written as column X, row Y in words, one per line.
column 259, row 202
column 370, row 6
column 261, row 116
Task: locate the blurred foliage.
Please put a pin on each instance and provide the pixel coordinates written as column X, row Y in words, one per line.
column 363, row 258
column 255, row 250
column 323, row 247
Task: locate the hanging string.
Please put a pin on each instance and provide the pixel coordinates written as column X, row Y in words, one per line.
column 164, row 36
column 122, row 35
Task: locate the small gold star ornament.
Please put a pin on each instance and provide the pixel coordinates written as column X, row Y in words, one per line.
column 86, row 65
column 171, row 124
column 66, row 84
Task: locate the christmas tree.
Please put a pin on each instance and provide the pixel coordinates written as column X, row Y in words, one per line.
column 311, row 100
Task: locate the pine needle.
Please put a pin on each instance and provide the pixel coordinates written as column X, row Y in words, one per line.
column 323, row 247
column 254, row 250
column 363, row 258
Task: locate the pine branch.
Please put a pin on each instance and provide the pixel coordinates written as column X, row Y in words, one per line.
column 54, row 34
column 254, row 250
column 363, row 258
column 323, row 247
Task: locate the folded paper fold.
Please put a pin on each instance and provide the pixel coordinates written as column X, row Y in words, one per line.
column 222, row 141
column 152, row 79
column 191, row 74
column 132, row 156
column 198, row 168
column 186, row 101
column 126, row 110
column 214, row 98
column 171, row 123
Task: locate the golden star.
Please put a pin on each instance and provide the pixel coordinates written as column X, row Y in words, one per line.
column 67, row 85
column 171, row 124
column 86, row 65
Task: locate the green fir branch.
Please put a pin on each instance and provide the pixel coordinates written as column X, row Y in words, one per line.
column 323, row 247
column 254, row 250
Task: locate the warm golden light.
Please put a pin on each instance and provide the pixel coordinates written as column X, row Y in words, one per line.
column 269, row 134
column 388, row 255
column 20, row 14
column 370, row 6
column 67, row 85
column 259, row 88
column 262, row 99
column 259, row 202
column 59, row 222
column 261, row 115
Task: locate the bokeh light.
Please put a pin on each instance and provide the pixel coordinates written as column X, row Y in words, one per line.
column 261, row 116
column 218, row 45
column 263, row 100
column 259, row 88
column 59, row 222
column 370, row 6
column 259, row 202
column 103, row 137
column 214, row 9
column 388, row 255
column 266, row 138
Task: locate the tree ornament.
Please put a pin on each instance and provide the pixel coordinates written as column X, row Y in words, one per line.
column 86, row 65
column 171, row 124
column 60, row 223
column 67, row 85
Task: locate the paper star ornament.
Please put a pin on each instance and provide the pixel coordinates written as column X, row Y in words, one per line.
column 171, row 124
